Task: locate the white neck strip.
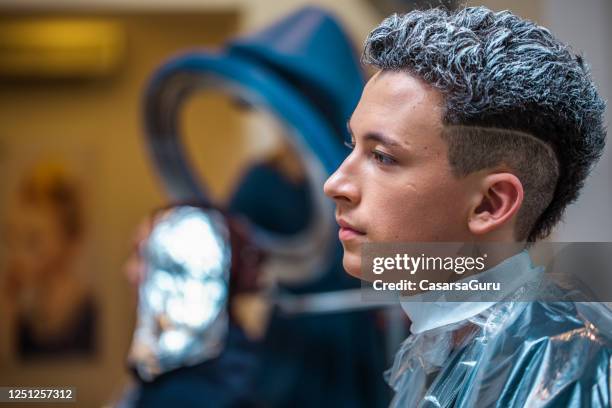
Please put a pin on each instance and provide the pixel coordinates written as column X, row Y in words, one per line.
column 512, row 273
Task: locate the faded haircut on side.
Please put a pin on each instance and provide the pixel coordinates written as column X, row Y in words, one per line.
column 514, row 95
column 473, row 148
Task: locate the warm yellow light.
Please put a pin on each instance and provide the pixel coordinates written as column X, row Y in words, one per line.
column 60, row 47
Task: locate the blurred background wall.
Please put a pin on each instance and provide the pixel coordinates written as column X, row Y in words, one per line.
column 98, row 120
column 586, row 26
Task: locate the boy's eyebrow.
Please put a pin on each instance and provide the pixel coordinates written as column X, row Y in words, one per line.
column 375, row 137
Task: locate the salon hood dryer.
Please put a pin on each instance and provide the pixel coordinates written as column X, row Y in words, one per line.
column 302, row 71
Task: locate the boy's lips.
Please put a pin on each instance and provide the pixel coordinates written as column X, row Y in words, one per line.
column 348, row 231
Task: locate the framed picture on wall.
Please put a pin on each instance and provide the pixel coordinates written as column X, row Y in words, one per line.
column 49, row 307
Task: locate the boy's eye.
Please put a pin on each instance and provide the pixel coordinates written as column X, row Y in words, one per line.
column 382, row 158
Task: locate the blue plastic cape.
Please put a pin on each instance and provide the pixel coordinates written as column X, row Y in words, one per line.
column 514, row 354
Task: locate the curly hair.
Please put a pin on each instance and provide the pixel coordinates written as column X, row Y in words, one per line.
column 499, row 71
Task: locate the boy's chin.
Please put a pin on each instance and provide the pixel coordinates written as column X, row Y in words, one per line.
column 352, row 265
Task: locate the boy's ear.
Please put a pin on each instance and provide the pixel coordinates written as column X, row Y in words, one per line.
column 499, row 200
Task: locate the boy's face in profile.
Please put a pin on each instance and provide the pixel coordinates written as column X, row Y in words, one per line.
column 397, row 184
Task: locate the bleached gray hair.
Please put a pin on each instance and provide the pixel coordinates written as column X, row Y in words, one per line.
column 497, row 70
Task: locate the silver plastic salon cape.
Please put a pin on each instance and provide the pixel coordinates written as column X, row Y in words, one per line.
column 513, row 354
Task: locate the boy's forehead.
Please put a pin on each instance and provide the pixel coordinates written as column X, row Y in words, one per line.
column 400, row 104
